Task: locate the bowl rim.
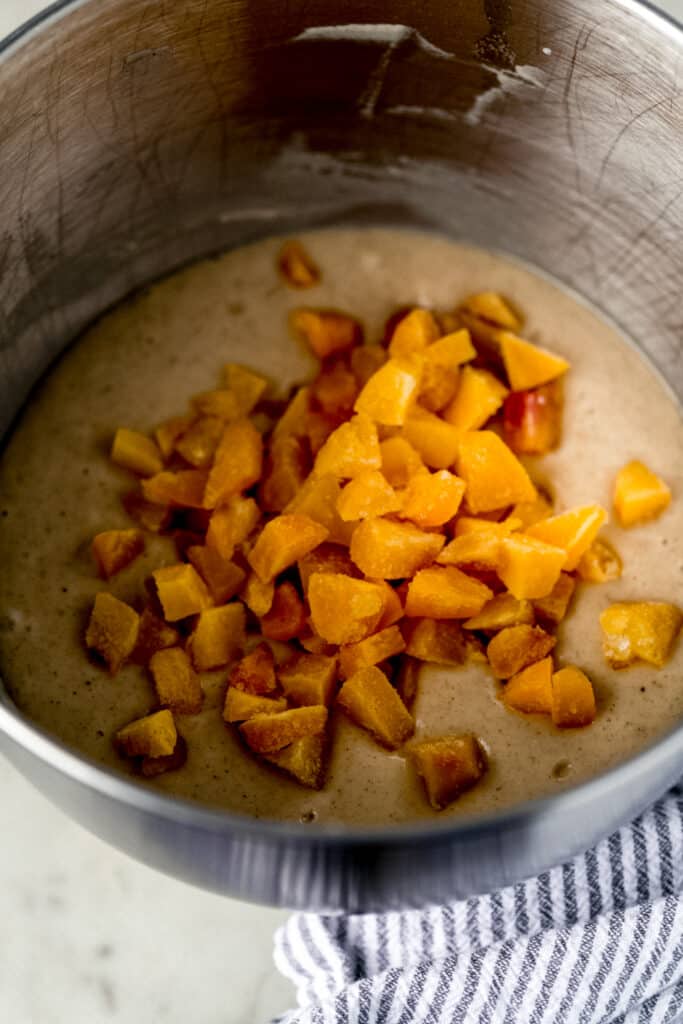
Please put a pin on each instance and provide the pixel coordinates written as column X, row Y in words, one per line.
column 177, row 810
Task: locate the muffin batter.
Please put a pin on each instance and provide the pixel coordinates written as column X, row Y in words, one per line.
column 141, row 363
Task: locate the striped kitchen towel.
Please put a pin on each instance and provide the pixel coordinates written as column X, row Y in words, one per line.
column 599, row 939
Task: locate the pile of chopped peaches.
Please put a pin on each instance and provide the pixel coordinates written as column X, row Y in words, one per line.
column 378, row 519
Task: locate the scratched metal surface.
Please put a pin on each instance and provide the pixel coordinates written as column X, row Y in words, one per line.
column 136, row 136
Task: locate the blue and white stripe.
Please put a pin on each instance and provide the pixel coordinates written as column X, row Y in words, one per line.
column 596, row 941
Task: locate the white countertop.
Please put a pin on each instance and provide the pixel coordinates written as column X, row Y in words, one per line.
column 88, row 935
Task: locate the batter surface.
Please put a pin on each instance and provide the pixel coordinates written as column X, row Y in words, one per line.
column 141, row 363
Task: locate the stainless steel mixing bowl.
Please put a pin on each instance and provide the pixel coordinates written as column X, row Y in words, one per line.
column 135, row 137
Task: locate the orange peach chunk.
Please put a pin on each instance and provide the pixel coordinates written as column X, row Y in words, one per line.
column 574, row 531
column 286, row 617
column 413, row 333
column 639, row 630
column 255, row 672
column 493, row 474
column 366, row 360
column 136, row 452
column 115, row 549
column 400, row 461
column 199, row 442
column 492, row 307
column 286, row 470
column 296, row 265
column 448, row 766
column 328, row 558
column 181, row 591
column 237, row 464
column 309, row 679
column 431, row 499
column 528, row 366
column 528, row 567
column 344, row 610
column 515, row 647
column 176, row 684
column 317, row 498
column 439, row 641
column 218, row 636
column 223, row 577
column 501, row 611
column 325, row 331
column 350, row 449
column 231, row 524
column 388, row 395
column 268, row 733
column 478, row 397
column 112, row 630
column 573, row 698
column 531, row 690
column 639, row 494
column 479, row 549
column 152, row 736
column 371, row 651
column 436, row 442
column 383, row 549
column 370, row 700
column 282, row 542
column 239, row 705
column 368, row 494
column 445, row 593
column 304, row 760
column 258, row 596
column 184, row 489
column 168, row 432
column 553, row 608
column 600, row 563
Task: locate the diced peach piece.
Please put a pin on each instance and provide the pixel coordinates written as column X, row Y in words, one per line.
column 314, row 644
column 286, row 470
column 327, row 558
column 282, row 542
column 494, row 475
column 218, row 636
column 573, row 698
column 231, row 524
column 150, row 516
column 366, row 360
column 478, row 397
column 319, row 426
column 325, row 331
column 639, row 494
column 528, row 366
column 388, row 395
column 153, row 635
column 531, row 690
column 445, row 593
column 472, row 524
column 223, row 577
column 452, row 350
column 317, row 498
column 115, row 549
column 393, row 608
column 350, row 449
column 436, row 442
column 431, row 499
column 502, row 611
column 237, row 464
column 175, row 681
column 368, row 494
column 448, row 766
column 335, row 389
column 407, row 680
column 255, row 672
column 370, row 700
column 184, row 489
column 600, row 563
column 154, row 735
column 296, row 265
column 344, row 610
column 309, row 679
column 286, row 617
column 241, row 705
column 530, row 512
column 168, row 432
column 639, row 630
column 413, row 333
column 553, row 608
column 371, row 651
column 136, row 452
column 479, row 549
column 400, row 461
column 529, row 568
column 199, row 442
column 294, row 420
column 386, row 550
column 574, row 531
column 438, row 386
column 532, row 420
column 492, row 307
column 181, row 591
column 112, row 630
column 440, row 641
column 248, row 386
column 258, row 596
column 268, row 733
column 304, row 760
column 515, row 647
